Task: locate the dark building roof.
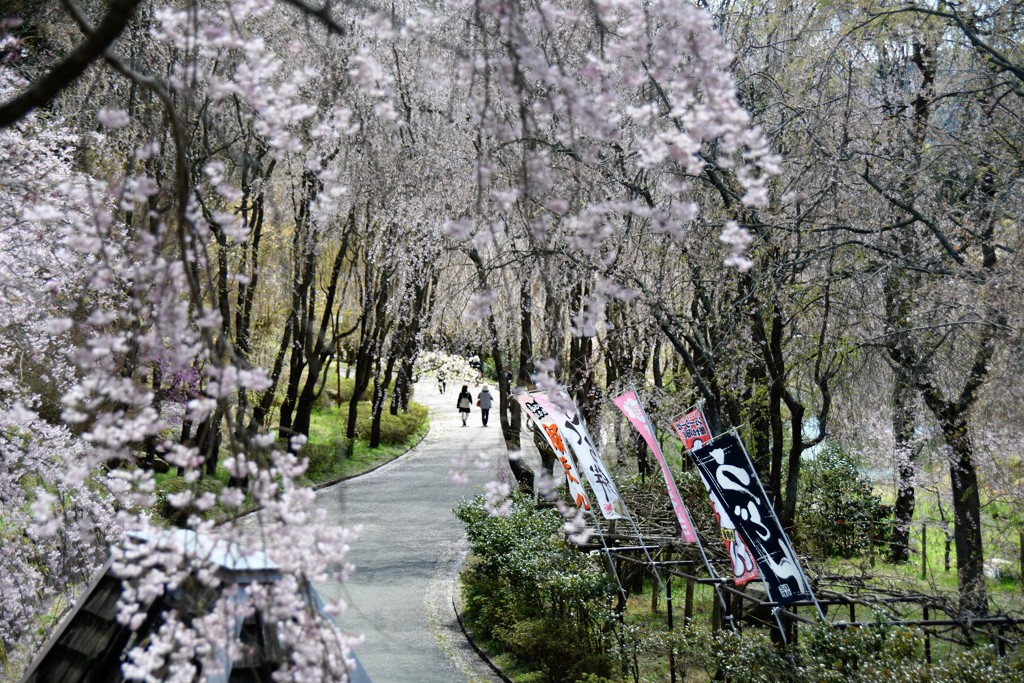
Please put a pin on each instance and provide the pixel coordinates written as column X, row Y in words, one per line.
column 90, row 645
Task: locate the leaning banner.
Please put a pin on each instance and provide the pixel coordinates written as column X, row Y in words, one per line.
column 575, row 432
column 547, row 425
column 629, row 404
column 744, row 569
column 737, row 493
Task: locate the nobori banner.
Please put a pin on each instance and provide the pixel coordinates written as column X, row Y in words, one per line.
column 692, row 428
column 575, row 433
column 729, row 476
column 547, row 425
column 629, row 404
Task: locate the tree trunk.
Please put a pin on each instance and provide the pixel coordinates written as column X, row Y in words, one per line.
column 966, row 516
column 903, row 456
column 659, row 378
column 374, row 328
column 380, row 393
column 317, row 350
column 520, row 470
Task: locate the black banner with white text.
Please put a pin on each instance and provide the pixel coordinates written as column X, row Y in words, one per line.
column 738, row 496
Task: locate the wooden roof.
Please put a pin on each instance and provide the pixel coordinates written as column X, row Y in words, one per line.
column 90, row 645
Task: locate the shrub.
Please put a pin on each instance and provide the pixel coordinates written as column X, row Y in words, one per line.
column 533, row 595
column 325, row 458
column 840, row 515
column 867, row 653
column 332, row 396
column 745, row 657
column 394, row 429
column 176, row 484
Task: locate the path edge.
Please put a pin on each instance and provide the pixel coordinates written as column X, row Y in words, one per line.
column 472, row 643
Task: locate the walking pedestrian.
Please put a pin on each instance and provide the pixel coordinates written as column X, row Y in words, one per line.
column 484, row 400
column 440, row 380
column 465, row 401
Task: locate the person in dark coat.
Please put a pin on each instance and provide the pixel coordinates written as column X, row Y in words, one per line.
column 464, row 402
column 484, row 400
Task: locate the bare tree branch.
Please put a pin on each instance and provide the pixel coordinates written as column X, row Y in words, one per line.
column 43, row 91
column 321, row 14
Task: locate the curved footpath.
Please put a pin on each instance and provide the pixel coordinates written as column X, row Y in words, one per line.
column 411, row 548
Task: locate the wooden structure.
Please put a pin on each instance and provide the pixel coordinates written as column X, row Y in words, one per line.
column 90, row 645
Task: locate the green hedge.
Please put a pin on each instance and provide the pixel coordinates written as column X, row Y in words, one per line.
column 829, row 655
column 530, row 594
column 326, row 458
column 394, row 429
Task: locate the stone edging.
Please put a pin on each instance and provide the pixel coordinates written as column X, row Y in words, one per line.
column 477, row 648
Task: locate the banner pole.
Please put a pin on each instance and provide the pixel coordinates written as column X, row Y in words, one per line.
column 704, row 555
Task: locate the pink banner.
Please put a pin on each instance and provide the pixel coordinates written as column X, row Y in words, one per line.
column 629, row 404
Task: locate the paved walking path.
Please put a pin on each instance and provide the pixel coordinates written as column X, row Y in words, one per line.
column 411, row 548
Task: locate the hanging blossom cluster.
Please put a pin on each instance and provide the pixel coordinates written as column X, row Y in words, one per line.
column 115, row 318
column 594, row 98
column 52, row 526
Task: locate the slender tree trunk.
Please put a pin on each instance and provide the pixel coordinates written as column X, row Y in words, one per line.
column 262, row 409
column 796, row 449
column 317, row 349
column 659, row 377
column 903, row 456
column 374, row 330
column 520, row 470
column 380, row 393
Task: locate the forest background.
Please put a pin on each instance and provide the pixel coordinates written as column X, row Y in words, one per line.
column 806, row 215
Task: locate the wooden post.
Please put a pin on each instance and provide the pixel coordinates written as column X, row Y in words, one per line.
column 668, row 608
column 654, row 592
column 1022, row 555
column 924, row 551
column 795, row 624
column 928, row 640
column 688, row 603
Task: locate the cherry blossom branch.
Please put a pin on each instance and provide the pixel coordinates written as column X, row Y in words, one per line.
column 177, row 134
column 935, row 230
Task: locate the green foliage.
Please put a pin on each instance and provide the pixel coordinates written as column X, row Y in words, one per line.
column 748, row 657
column 871, row 653
column 530, row 594
column 334, row 395
column 840, row 515
column 830, row 655
column 394, row 429
column 170, row 484
column 489, row 370
column 325, row 458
